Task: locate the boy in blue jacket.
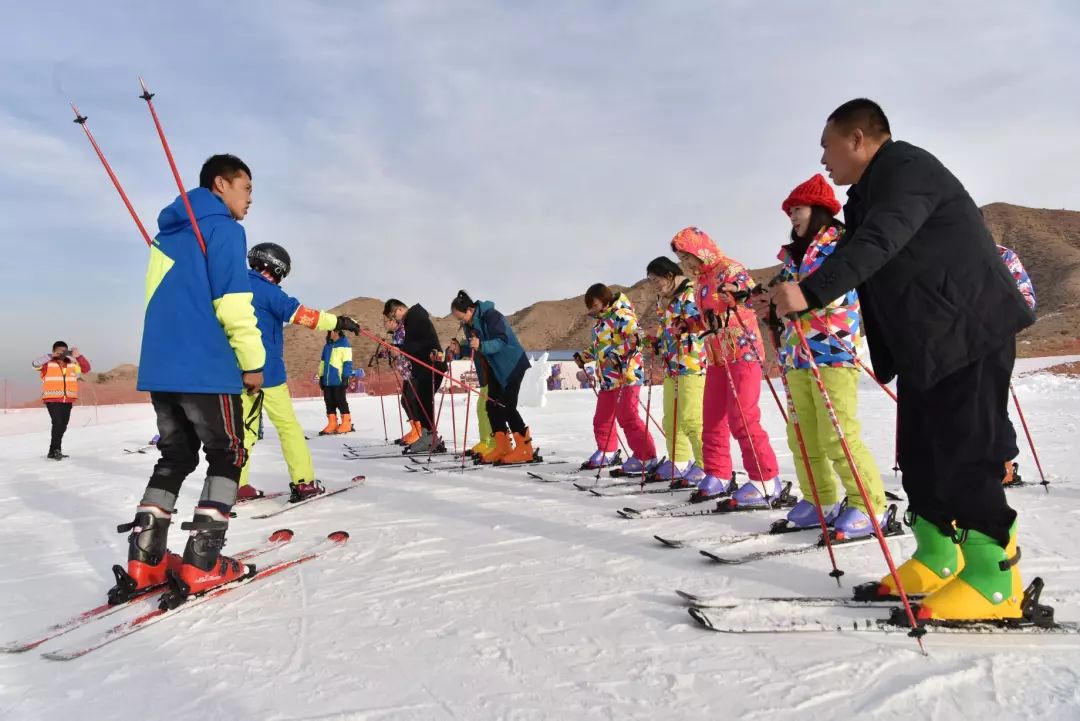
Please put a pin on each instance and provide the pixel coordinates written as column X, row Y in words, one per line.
column 199, row 304
column 335, row 370
column 270, row 264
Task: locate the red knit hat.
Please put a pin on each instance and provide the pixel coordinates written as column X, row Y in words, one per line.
column 815, row 191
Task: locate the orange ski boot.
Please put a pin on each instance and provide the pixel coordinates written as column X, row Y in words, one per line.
column 331, row 425
column 346, row 423
column 204, row 568
column 523, row 450
column 148, row 556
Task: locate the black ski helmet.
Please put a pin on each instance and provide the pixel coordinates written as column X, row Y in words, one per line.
column 271, row 257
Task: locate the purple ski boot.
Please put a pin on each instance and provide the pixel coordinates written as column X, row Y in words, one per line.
column 853, row 523
column 749, row 494
column 712, row 487
column 635, row 467
column 670, row 471
column 694, row 473
column 599, row 459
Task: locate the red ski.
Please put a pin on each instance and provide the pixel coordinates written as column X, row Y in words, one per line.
column 333, row 541
column 276, row 540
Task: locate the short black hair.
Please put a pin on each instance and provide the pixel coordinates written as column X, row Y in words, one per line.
column 462, row 302
column 223, row 166
column 59, row 344
column 663, row 267
column 600, row 292
column 861, row 114
column 390, row 306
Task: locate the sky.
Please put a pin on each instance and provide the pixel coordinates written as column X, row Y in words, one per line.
column 519, row 150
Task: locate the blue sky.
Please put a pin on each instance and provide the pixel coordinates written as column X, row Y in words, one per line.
column 520, row 150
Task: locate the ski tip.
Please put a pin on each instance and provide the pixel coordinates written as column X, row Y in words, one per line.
column 282, row 534
column 669, row 543
column 359, row 479
column 596, row 493
column 339, row 536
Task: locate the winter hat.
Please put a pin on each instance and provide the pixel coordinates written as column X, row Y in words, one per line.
column 697, row 243
column 815, row 191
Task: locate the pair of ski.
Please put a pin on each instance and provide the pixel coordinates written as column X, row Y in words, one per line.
column 151, row 613
column 823, row 614
column 890, row 527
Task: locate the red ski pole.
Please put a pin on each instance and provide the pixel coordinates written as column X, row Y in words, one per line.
column 378, row 387
column 1045, row 483
column 916, row 631
column 419, row 362
column 81, row 120
column 453, row 410
column 147, row 96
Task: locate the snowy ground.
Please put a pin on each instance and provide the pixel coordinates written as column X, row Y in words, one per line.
column 490, row 596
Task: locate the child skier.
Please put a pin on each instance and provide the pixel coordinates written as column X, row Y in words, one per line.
column 733, row 379
column 833, row 333
column 491, row 336
column 200, row 350
column 616, row 350
column 335, row 370
column 682, row 350
column 270, row 264
column 60, row 389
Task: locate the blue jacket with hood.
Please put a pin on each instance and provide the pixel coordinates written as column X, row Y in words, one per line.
column 199, row 330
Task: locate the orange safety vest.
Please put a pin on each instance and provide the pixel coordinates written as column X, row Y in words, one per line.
column 60, row 382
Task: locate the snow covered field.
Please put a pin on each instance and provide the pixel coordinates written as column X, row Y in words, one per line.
column 488, row 595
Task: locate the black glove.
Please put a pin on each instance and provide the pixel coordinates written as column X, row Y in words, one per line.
column 346, row 323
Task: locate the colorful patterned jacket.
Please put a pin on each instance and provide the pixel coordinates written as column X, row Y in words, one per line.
column 840, row 318
column 1019, row 274
column 681, row 324
column 616, row 347
column 731, row 344
column 404, row 365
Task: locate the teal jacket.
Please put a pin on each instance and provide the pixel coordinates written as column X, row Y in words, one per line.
column 498, row 344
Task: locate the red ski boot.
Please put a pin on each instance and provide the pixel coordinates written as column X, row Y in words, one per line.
column 204, row 568
column 247, row 492
column 148, row 556
column 304, row 490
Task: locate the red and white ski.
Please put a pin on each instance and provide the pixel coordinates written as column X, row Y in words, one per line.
column 333, row 541
column 276, row 540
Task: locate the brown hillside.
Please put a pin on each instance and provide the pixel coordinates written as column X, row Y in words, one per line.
column 1048, row 242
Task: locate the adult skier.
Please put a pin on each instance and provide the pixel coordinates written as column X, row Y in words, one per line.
column 941, row 313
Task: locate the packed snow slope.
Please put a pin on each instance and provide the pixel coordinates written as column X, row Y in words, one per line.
column 488, row 595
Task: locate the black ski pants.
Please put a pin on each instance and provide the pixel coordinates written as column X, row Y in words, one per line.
column 953, row 440
column 187, row 421
column 421, row 394
column 502, row 402
column 60, row 414
column 335, row 399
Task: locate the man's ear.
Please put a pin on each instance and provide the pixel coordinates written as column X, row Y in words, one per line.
column 858, row 139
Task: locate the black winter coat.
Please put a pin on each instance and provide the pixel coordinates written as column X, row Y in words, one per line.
column 935, row 295
column 420, row 337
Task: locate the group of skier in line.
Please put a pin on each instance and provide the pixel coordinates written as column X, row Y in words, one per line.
column 913, row 268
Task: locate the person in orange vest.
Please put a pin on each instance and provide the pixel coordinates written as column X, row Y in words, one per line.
column 60, row 389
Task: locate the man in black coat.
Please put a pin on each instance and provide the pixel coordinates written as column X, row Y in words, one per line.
column 941, row 314
column 421, row 342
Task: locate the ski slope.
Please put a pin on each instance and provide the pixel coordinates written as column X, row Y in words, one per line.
column 488, row 595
